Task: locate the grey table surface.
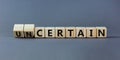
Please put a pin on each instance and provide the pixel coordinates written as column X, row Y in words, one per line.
column 60, row 13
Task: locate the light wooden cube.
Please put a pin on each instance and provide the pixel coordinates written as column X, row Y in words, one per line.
column 60, row 32
column 101, row 32
column 49, row 32
column 39, row 32
column 80, row 32
column 70, row 32
column 18, row 30
column 91, row 32
column 29, row 30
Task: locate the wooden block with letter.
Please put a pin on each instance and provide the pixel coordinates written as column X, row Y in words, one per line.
column 39, row 32
column 91, row 32
column 49, row 32
column 70, row 32
column 101, row 32
column 60, row 32
column 29, row 30
column 18, row 30
column 80, row 32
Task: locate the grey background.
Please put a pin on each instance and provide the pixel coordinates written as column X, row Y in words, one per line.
column 60, row 13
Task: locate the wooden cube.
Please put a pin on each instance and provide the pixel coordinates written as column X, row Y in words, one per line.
column 101, row 32
column 29, row 30
column 60, row 32
column 91, row 32
column 18, row 30
column 39, row 32
column 49, row 32
column 70, row 32
column 80, row 32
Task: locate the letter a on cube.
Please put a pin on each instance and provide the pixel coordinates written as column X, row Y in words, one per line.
column 80, row 32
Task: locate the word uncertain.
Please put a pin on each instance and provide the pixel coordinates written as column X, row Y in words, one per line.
column 30, row 31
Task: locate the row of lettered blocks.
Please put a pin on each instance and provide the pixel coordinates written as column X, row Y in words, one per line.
column 30, row 31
